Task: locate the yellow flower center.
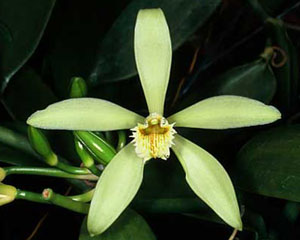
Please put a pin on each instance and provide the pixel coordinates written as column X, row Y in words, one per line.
column 153, row 139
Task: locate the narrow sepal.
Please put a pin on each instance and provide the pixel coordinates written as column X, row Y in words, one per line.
column 153, row 55
column 115, row 189
column 89, row 114
column 209, row 180
column 225, row 112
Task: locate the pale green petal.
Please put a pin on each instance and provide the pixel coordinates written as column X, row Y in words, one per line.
column 89, row 114
column 115, row 189
column 153, row 55
column 225, row 112
column 209, row 180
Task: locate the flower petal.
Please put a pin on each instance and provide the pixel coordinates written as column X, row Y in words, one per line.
column 225, row 112
column 89, row 114
column 115, row 189
column 209, row 180
column 153, row 55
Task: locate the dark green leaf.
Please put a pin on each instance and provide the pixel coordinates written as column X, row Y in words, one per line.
column 73, row 44
column 129, row 226
column 251, row 222
column 116, row 56
column 287, row 70
column 27, row 89
column 269, row 164
column 14, row 157
column 25, row 21
column 254, row 80
column 15, row 140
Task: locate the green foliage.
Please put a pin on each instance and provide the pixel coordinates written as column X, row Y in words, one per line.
column 130, row 225
column 269, row 164
column 116, row 58
column 23, row 31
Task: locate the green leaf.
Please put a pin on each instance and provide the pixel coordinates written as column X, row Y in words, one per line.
column 254, row 80
column 269, row 164
column 116, row 57
column 129, row 226
column 15, row 140
column 73, row 45
column 26, row 26
column 27, row 88
column 287, row 74
column 14, row 157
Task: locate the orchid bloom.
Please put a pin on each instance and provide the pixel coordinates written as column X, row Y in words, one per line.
column 154, row 135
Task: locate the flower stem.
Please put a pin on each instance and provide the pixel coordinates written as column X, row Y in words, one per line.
column 30, row 196
column 95, row 170
column 85, row 197
column 49, row 197
column 51, row 172
column 71, row 169
column 65, row 202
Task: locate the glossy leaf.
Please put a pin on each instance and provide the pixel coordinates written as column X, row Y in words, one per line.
column 224, row 112
column 254, row 80
column 89, row 114
column 129, row 225
column 27, row 87
column 116, row 59
column 115, row 189
column 15, row 140
column 153, row 55
column 14, row 157
column 287, row 94
column 209, row 180
column 269, row 164
column 26, row 26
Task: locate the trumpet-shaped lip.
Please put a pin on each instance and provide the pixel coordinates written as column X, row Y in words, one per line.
column 154, row 138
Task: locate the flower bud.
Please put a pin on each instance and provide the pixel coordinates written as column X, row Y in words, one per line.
column 41, row 145
column 100, row 149
column 78, row 87
column 7, row 194
column 2, row 174
column 84, row 155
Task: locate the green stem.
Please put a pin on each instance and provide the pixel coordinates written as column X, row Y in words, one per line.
column 71, row 169
column 94, row 170
column 51, row 172
column 65, row 202
column 85, row 197
column 121, row 140
column 30, row 196
column 49, row 197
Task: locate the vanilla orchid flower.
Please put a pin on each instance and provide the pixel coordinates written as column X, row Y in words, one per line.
column 154, row 136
